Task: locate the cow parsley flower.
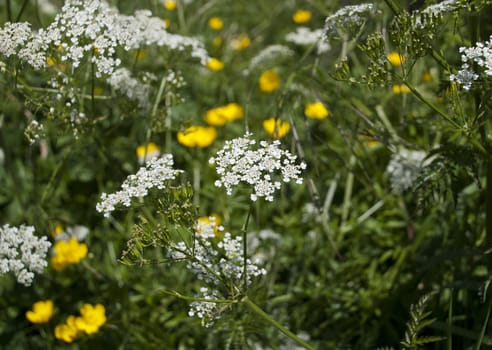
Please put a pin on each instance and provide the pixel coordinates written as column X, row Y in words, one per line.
column 304, row 36
column 264, row 168
column 348, row 18
column 154, row 175
column 481, row 55
column 22, row 253
column 404, row 168
column 122, row 81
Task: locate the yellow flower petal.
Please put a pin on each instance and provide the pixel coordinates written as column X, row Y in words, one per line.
column 276, row 127
column 302, row 16
column 170, row 5
column 316, row 110
column 41, row 312
column 269, row 81
column 215, row 64
column 197, row 136
column 215, row 23
column 396, row 58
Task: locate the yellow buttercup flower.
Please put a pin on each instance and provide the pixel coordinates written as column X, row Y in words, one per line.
column 197, row 136
column 276, row 127
column 215, row 64
column 241, row 42
column 170, row 5
column 68, row 331
column 41, row 312
column 221, row 115
column 215, row 23
column 50, row 61
column 92, row 318
column 167, row 22
column 427, row 77
column 316, row 110
column 68, row 252
column 269, row 81
column 396, row 58
column 302, row 16
column 400, row 89
column 147, row 152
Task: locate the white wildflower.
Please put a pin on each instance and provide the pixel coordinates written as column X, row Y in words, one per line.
column 404, row 168
column 348, row 18
column 481, row 55
column 122, row 81
column 78, row 232
column 22, row 253
column 305, row 37
column 154, row 175
column 269, row 54
column 207, row 311
column 263, row 168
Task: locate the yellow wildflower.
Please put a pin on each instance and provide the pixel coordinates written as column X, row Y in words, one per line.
column 170, row 5
column 68, row 331
column 147, row 152
column 68, row 252
column 50, row 61
column 215, row 64
column 221, row 115
column 241, row 42
column 140, row 54
column 57, row 230
column 92, row 318
column 316, row 110
column 197, row 136
column 396, row 58
column 269, row 81
column 167, row 22
column 427, row 77
column 276, row 127
column 215, row 23
column 400, row 89
column 41, row 312
column 302, row 16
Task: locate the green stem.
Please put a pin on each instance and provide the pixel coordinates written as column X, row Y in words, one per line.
column 432, row 106
column 245, row 247
column 256, row 309
column 9, row 11
column 24, row 4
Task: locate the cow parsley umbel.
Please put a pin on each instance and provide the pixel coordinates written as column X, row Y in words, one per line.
column 155, row 175
column 22, row 253
column 264, row 168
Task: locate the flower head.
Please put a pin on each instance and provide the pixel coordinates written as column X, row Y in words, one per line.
column 92, row 318
column 241, row 42
column 41, row 312
column 68, row 331
column 197, row 136
column 22, row 253
column 147, row 152
column 170, row 5
column 215, row 64
column 264, row 168
column 316, row 110
column 395, row 58
column 209, row 226
column 215, row 23
column 269, row 81
column 221, row 115
column 302, row 16
column 276, row 127
column 68, row 252
column 155, row 174
column 400, row 89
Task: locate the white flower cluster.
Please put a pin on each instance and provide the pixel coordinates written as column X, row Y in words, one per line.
column 22, row 253
column 213, row 263
column 269, row 54
column 346, row 18
column 439, row 8
column 207, row 311
column 481, row 54
column 153, row 175
column 303, row 36
column 17, row 39
column 93, row 28
column 121, row 80
column 263, row 168
column 404, row 168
